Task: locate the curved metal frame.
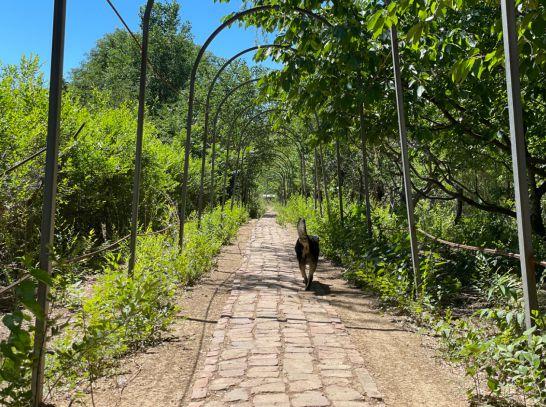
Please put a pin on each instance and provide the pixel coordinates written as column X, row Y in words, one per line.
column 206, row 128
column 236, row 17
column 245, row 125
column 217, row 115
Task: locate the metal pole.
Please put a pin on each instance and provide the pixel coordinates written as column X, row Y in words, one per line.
column 304, row 175
column 318, row 194
column 519, row 163
column 242, row 178
column 339, row 183
column 50, row 193
column 139, row 135
column 225, row 172
column 405, row 156
column 235, row 174
column 325, row 182
column 365, row 179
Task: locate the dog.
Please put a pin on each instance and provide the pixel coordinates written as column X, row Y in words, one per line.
column 307, row 252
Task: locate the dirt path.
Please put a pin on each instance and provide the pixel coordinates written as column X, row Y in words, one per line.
column 278, row 345
column 161, row 376
column 253, row 337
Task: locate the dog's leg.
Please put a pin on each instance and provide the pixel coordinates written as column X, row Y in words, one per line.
column 302, row 270
column 312, row 268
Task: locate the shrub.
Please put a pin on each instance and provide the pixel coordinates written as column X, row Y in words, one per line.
column 121, row 313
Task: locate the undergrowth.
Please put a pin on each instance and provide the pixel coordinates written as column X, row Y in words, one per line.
column 472, row 302
column 114, row 315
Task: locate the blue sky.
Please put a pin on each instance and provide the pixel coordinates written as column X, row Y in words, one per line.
column 25, row 27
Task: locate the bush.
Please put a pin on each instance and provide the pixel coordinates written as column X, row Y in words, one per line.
column 491, row 343
column 121, row 313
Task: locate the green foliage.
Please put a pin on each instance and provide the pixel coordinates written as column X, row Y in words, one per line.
column 494, row 346
column 119, row 314
column 113, row 65
column 491, row 343
column 16, row 351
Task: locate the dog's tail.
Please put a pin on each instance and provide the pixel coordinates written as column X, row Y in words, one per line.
column 302, row 229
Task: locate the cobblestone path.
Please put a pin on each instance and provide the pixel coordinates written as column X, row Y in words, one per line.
column 277, row 345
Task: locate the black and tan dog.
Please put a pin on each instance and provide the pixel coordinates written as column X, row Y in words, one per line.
column 307, row 251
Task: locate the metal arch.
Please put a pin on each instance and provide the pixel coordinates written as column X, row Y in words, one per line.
column 230, row 132
column 279, row 171
column 206, row 128
column 239, row 165
column 226, row 97
column 217, row 115
column 240, row 158
column 227, row 23
column 287, row 130
column 277, row 154
column 279, row 174
column 139, row 135
column 229, row 137
column 242, row 140
column 245, row 125
column 299, row 144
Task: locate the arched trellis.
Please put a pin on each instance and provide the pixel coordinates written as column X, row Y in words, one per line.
column 217, row 115
column 207, row 112
column 288, row 133
column 244, row 127
column 278, row 172
column 516, row 133
column 299, row 146
column 241, row 146
column 236, row 17
column 240, row 113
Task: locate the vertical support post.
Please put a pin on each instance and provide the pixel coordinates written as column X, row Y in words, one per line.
column 339, row 183
column 302, row 169
column 139, row 135
column 315, row 194
column 236, row 173
column 242, row 179
column 212, row 173
column 405, row 156
column 50, row 193
column 365, row 179
column 519, row 164
column 225, row 172
column 325, row 184
column 318, row 194
column 202, row 177
column 284, row 189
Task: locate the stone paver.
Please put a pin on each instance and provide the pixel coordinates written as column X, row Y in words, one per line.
column 277, row 345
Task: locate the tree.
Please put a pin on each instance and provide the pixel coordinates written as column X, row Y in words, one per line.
column 113, row 65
